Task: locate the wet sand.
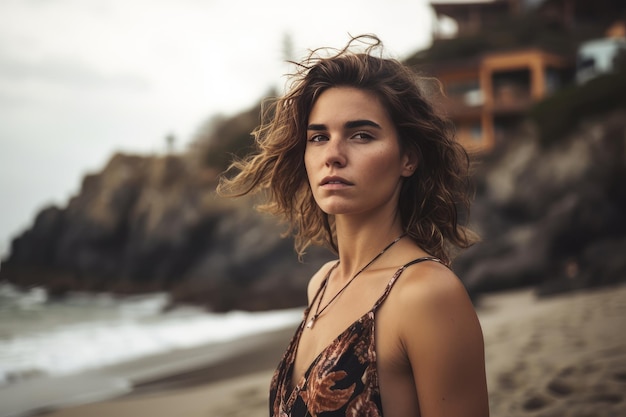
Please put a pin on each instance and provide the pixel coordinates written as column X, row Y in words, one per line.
column 558, row 356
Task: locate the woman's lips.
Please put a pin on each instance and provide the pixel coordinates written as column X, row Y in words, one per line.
column 334, row 183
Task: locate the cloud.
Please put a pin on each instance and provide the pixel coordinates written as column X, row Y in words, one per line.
column 69, row 72
column 81, row 79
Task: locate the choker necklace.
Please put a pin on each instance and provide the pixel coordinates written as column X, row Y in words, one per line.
column 318, row 312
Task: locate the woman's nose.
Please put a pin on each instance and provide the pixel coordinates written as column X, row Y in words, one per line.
column 335, row 153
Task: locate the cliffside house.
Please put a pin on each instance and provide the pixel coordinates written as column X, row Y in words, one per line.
column 600, row 56
column 471, row 16
column 487, row 93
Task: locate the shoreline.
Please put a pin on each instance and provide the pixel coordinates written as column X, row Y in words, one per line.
column 259, row 353
column 560, row 355
column 175, row 370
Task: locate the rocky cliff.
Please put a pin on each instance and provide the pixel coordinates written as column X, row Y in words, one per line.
column 550, row 215
column 153, row 224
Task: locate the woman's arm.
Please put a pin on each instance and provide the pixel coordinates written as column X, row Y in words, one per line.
column 443, row 341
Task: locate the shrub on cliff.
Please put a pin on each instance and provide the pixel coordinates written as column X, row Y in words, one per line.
column 220, row 138
column 557, row 115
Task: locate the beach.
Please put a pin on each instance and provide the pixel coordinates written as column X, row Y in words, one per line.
column 563, row 355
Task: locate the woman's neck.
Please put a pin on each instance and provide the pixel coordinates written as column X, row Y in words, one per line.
column 359, row 243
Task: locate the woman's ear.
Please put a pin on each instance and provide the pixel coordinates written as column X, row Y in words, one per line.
column 409, row 163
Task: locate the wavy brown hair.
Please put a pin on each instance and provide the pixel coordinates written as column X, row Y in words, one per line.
column 430, row 200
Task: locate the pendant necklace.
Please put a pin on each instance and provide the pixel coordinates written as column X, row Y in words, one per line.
column 318, row 312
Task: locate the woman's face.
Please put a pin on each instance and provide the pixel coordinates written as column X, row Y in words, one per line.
column 353, row 159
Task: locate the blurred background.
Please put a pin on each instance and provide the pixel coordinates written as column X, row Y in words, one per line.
column 117, row 118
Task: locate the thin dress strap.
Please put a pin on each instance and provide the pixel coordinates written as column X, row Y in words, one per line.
column 321, row 287
column 397, row 275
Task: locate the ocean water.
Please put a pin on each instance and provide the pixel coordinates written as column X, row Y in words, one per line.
column 40, row 337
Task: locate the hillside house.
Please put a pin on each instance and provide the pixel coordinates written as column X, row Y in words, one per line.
column 600, row 56
column 487, row 93
column 471, row 16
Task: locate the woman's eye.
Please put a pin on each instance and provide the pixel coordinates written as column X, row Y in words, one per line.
column 363, row 136
column 317, row 138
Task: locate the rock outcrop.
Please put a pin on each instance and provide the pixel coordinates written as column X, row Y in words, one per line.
column 154, row 224
column 551, row 215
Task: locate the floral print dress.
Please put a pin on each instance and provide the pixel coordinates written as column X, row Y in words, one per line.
column 343, row 379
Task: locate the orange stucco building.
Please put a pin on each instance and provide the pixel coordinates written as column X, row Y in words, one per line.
column 487, row 93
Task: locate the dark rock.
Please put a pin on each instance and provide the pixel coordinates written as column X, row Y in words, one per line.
column 156, row 224
column 547, row 214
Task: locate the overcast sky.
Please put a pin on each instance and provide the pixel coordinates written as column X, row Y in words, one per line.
column 81, row 79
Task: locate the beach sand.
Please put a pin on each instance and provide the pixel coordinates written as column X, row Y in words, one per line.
column 559, row 356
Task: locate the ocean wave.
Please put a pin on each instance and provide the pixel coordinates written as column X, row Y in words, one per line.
column 85, row 332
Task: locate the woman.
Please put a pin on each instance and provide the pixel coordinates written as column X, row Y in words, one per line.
column 355, row 158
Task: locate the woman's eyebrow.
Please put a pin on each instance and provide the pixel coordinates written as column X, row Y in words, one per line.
column 361, row 123
column 352, row 124
column 316, row 127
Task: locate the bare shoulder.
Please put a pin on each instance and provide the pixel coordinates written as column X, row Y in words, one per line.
column 429, row 287
column 431, row 294
column 317, row 278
